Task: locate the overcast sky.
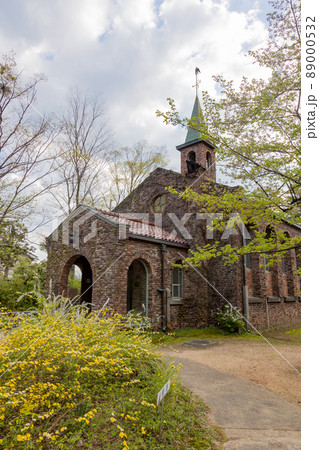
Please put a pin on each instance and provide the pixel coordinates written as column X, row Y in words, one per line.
column 134, row 53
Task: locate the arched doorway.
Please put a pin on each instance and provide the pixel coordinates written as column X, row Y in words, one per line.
column 137, row 287
column 79, row 278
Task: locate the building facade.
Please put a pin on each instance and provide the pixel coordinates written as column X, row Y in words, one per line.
column 127, row 256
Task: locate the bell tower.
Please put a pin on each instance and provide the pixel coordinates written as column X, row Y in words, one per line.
column 197, row 155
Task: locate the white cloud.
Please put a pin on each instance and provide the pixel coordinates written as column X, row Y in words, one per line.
column 135, row 53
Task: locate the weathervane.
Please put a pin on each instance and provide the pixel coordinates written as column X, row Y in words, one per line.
column 197, row 71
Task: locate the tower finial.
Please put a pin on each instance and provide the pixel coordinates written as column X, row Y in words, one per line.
column 197, row 71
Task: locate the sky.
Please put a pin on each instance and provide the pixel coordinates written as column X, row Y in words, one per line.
column 134, row 54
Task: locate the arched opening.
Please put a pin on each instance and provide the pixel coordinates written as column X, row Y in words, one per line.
column 74, row 281
column 270, row 274
column 270, row 237
column 288, row 270
column 192, row 157
column 137, row 287
column 285, row 261
column 208, row 160
column 79, row 278
column 273, row 279
column 191, row 163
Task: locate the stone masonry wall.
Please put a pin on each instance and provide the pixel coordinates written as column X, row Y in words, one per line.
column 273, row 297
column 228, row 280
column 274, row 294
column 200, row 149
column 110, row 259
column 101, row 257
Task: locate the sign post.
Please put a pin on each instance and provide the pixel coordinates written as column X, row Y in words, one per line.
column 163, row 392
column 160, row 398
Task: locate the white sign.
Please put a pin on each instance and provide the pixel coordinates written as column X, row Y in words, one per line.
column 163, row 392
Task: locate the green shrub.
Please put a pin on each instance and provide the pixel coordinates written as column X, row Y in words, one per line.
column 295, row 333
column 229, row 319
column 21, row 291
column 16, row 296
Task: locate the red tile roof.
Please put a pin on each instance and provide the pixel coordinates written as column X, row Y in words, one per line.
column 141, row 227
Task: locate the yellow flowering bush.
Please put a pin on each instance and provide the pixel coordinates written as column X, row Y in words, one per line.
column 66, row 376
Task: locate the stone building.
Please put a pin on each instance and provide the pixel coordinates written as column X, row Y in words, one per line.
column 127, row 256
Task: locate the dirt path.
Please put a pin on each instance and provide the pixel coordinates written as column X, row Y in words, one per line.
column 253, row 361
column 251, row 391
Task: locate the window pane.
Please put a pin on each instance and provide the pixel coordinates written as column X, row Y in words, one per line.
column 175, row 275
column 180, row 276
column 267, row 268
column 175, row 291
column 177, row 282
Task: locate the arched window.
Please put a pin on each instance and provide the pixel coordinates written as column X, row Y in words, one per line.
column 191, row 157
column 284, row 260
column 208, row 160
column 177, row 282
column 270, row 236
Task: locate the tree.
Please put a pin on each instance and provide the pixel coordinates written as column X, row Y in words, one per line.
column 129, row 168
column 25, row 139
column 256, row 129
column 21, row 291
column 13, row 244
column 29, row 273
column 85, row 151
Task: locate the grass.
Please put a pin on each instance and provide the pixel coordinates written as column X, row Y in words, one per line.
column 287, row 334
column 70, row 381
column 187, row 334
column 283, row 333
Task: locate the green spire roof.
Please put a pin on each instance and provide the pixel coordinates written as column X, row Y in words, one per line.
column 194, row 135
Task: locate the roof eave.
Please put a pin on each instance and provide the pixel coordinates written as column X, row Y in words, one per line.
column 83, row 208
column 157, row 241
column 195, row 141
column 292, row 224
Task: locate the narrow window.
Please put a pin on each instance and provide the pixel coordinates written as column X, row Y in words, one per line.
column 177, row 282
column 284, row 260
column 208, row 160
column 192, row 157
column 271, row 238
column 284, row 265
column 267, row 268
